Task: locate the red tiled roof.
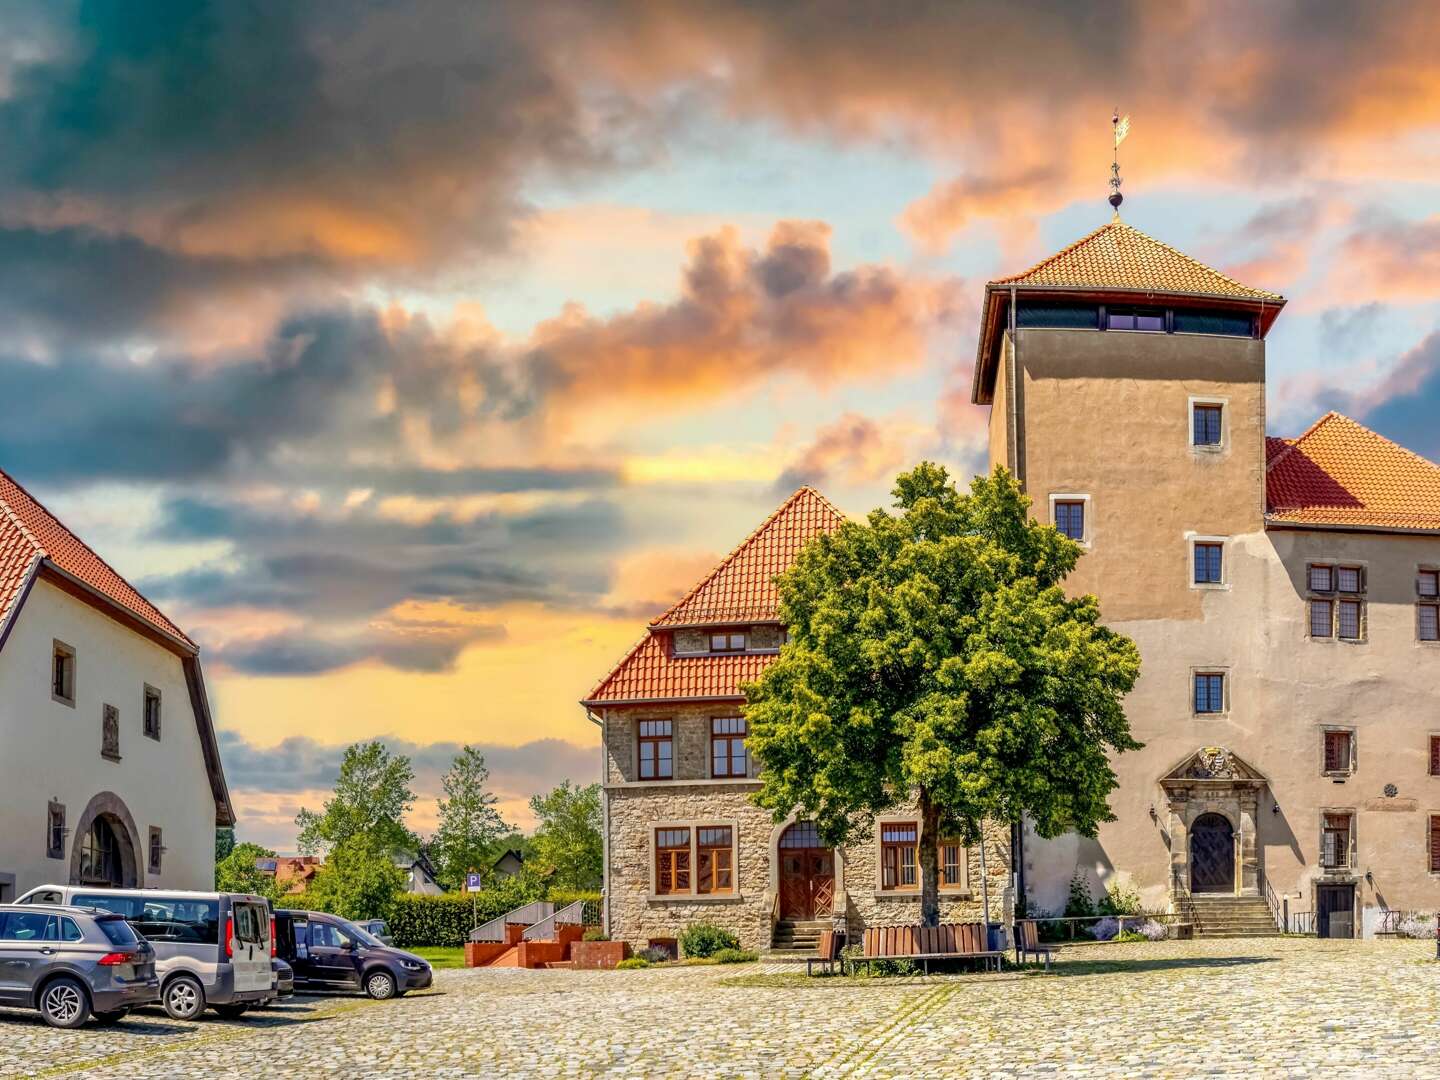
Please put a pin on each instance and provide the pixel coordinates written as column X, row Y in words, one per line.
column 1119, row 256
column 29, row 532
column 742, row 587
column 740, row 590
column 1339, row 472
column 652, row 672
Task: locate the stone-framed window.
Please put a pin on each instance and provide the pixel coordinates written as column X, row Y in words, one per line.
column 1070, row 513
column 1434, row 843
column 898, row 869
column 729, row 758
column 1337, row 839
column 1427, row 604
column 1208, row 562
column 1337, row 752
column 1435, row 755
column 953, row 862
column 156, row 849
column 1208, row 429
column 1209, row 691
column 150, row 715
column 62, row 673
column 110, row 732
column 655, row 747
column 694, row 859
column 55, row 831
column 1336, row 601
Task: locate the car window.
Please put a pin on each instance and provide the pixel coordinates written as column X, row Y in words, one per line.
column 70, row 932
column 26, row 926
column 183, row 921
column 249, row 920
column 132, row 907
column 327, row 935
column 118, row 931
column 50, row 896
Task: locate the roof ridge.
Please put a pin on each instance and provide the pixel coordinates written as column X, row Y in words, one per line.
column 1191, row 258
column 15, row 518
column 740, row 547
column 1292, row 444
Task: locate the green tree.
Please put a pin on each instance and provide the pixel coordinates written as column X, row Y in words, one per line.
column 224, row 842
column 567, row 841
column 358, row 881
column 469, row 823
column 371, row 799
column 237, row 873
column 933, row 655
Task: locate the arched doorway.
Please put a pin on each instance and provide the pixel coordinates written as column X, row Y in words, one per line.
column 807, row 873
column 106, row 845
column 1212, row 855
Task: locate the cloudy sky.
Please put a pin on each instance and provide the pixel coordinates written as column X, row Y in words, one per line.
column 411, row 355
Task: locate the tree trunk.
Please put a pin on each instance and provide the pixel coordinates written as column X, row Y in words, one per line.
column 929, row 861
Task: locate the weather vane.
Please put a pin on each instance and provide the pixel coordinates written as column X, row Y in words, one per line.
column 1122, row 128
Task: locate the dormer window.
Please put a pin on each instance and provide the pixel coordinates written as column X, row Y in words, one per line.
column 733, row 641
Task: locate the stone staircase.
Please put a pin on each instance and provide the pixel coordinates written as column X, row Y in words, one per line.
column 1232, row 916
column 796, row 938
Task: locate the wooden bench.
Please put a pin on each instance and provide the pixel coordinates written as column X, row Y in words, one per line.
column 827, row 952
column 921, row 944
column 1027, row 943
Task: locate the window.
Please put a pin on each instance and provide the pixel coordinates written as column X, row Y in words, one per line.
column 1070, row 518
column 1059, row 315
column 55, row 832
column 110, row 732
column 1427, row 605
column 672, row 861
column 28, row 926
column 898, row 855
column 1213, row 322
column 1339, row 747
column 1339, row 610
column 1209, row 692
column 1207, row 562
column 727, row 747
column 1335, row 841
column 952, row 859
column 1153, row 321
column 62, row 674
column 1435, row 755
column 657, row 750
column 1205, row 424
column 157, row 850
column 1434, row 844
column 732, row 641
column 150, row 723
column 714, row 859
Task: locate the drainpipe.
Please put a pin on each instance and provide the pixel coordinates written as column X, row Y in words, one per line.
column 1013, row 378
column 605, row 826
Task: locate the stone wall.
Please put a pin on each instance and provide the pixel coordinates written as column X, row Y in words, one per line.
column 691, row 739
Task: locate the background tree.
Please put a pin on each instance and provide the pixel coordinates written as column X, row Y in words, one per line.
column 469, row 823
column 934, row 656
column 372, row 797
column 358, row 881
column 567, row 841
column 237, row 873
column 224, row 842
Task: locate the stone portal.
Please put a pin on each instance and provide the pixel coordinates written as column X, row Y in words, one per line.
column 1212, row 796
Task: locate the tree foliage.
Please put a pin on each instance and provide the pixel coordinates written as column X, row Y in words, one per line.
column 469, row 823
column 224, row 842
column 567, row 841
column 358, row 881
column 237, row 873
column 934, row 655
column 371, row 799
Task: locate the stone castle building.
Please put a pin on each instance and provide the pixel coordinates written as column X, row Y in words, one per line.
column 1284, row 594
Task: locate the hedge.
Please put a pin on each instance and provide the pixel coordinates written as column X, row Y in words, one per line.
column 418, row 921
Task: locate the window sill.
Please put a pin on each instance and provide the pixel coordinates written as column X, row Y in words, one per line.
column 914, row 894
column 1338, row 777
column 738, row 652
column 69, row 703
column 695, row 898
column 1207, row 448
column 109, row 757
column 1211, row 586
column 700, row 781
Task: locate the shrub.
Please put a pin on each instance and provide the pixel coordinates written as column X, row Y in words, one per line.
column 734, row 956
column 1416, row 924
column 1079, row 903
column 596, row 934
column 1118, row 900
column 706, row 939
column 655, row 954
column 631, row 963
column 1151, row 930
column 1105, row 929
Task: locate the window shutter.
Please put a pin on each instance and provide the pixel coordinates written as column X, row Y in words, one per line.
column 1435, row 755
column 1435, row 845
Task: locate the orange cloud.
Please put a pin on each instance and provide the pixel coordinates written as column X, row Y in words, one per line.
column 852, row 450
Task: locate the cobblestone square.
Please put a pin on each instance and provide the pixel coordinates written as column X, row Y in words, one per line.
column 1230, row 1008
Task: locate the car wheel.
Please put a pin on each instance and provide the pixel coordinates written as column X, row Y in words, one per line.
column 380, row 985
column 111, row 1017
column 63, row 1004
column 234, row 1011
column 184, row 997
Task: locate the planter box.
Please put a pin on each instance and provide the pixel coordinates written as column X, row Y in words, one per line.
column 599, row 955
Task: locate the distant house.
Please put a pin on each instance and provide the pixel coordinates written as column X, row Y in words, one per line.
column 294, row 872
column 419, row 873
column 109, row 773
column 509, row 864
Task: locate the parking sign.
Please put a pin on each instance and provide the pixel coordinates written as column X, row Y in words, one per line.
column 472, row 882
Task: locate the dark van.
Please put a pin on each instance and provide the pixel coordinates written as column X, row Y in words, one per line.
column 331, row 953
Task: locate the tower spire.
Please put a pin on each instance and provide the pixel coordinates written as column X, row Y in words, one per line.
column 1121, row 128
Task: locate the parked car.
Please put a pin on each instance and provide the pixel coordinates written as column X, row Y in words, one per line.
column 378, row 929
column 284, row 979
column 331, row 953
column 73, row 963
column 211, row 949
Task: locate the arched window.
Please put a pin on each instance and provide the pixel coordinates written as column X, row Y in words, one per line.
column 100, row 856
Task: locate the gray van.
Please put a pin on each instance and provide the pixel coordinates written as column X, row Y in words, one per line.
column 211, row 949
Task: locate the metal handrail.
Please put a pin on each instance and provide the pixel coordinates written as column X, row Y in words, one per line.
column 526, row 915
column 1279, row 912
column 544, row 930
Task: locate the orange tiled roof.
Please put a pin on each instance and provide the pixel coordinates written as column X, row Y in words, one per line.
column 742, row 587
column 1339, row 472
column 740, row 590
column 29, row 532
column 1119, row 256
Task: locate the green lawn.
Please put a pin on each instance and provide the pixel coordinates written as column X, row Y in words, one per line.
column 442, row 956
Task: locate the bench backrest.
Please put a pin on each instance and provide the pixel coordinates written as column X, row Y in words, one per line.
column 1029, row 934
column 829, row 947
column 914, row 940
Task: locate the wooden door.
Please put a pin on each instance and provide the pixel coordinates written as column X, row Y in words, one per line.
column 807, row 874
column 1212, row 855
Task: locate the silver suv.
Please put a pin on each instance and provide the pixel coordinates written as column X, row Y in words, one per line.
column 72, row 963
